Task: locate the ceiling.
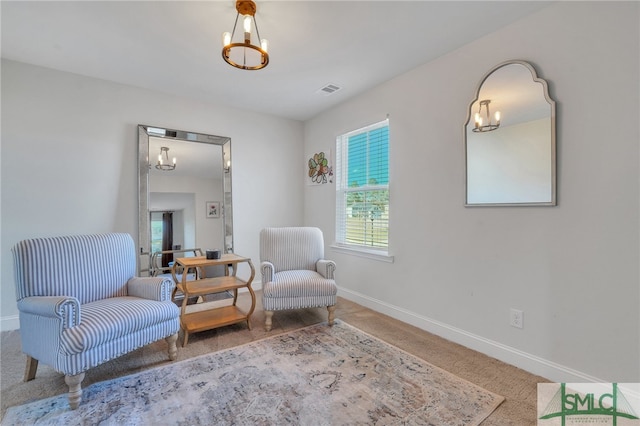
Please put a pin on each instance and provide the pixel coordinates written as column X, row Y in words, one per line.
column 175, row 46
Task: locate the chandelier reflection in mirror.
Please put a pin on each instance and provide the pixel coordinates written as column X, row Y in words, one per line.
column 243, row 54
column 479, row 126
column 161, row 165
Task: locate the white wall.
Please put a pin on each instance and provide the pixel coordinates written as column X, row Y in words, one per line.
column 69, row 161
column 574, row 268
column 208, row 232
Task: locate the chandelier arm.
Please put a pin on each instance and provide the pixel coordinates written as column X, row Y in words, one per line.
column 235, row 24
column 255, row 23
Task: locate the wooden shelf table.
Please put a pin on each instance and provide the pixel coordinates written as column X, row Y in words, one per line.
column 193, row 322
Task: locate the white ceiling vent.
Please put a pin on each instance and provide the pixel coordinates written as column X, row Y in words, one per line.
column 328, row 89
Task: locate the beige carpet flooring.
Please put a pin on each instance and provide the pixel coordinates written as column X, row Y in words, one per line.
column 517, row 386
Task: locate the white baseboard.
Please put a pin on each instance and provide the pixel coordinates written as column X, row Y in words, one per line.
column 10, row 322
column 526, row 361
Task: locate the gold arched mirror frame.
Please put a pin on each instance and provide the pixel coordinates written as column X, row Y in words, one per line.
column 510, row 160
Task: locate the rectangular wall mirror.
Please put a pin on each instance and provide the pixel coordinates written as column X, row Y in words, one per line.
column 184, row 203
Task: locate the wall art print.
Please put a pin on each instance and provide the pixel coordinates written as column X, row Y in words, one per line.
column 320, row 169
column 213, row 209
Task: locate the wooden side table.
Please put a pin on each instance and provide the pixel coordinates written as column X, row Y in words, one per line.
column 194, row 322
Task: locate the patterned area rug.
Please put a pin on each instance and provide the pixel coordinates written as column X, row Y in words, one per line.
column 318, row 375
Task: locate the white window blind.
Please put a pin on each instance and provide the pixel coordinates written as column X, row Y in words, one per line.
column 362, row 188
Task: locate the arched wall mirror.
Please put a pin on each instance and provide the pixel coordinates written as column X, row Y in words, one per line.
column 510, row 140
column 186, row 204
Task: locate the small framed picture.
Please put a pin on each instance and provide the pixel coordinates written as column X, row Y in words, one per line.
column 213, row 209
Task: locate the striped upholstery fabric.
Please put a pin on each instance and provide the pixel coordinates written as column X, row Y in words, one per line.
column 80, row 304
column 89, row 267
column 152, row 288
column 298, row 289
column 294, row 273
column 108, row 319
column 291, row 248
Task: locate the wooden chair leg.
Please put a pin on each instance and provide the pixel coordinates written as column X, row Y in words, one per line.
column 30, row 371
column 173, row 347
column 332, row 310
column 268, row 320
column 75, row 389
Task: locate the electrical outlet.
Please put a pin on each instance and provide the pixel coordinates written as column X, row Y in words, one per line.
column 516, row 318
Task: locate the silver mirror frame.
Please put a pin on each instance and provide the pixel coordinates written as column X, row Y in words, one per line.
column 552, row 104
column 144, row 228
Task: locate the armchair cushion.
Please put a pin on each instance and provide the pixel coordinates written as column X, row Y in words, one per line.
column 109, row 319
column 300, row 283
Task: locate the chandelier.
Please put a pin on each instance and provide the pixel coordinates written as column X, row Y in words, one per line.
column 480, row 127
column 244, row 54
column 161, row 165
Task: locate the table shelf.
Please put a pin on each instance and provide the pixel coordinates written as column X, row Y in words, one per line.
column 213, row 318
column 193, row 322
column 211, row 285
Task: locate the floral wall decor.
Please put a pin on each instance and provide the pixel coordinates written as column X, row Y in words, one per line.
column 320, row 169
column 213, row 209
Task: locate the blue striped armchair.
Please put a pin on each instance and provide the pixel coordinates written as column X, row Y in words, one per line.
column 294, row 272
column 80, row 304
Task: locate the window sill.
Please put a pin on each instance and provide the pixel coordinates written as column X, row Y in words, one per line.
column 361, row 252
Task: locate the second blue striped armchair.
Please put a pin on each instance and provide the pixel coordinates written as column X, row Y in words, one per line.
column 294, row 272
column 80, row 304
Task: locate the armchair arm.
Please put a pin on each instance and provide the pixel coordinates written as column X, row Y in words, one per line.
column 326, row 268
column 152, row 288
column 63, row 308
column 267, row 270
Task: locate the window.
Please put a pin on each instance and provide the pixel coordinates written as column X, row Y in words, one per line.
column 156, row 231
column 362, row 188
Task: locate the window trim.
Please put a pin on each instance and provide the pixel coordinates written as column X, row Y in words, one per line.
column 381, row 253
column 360, row 251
